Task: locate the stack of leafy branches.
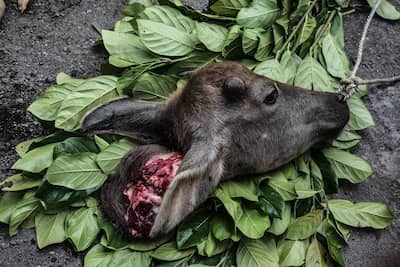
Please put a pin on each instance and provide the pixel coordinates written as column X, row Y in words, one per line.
column 282, row 218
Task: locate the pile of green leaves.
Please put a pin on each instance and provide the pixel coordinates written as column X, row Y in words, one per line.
column 282, row 218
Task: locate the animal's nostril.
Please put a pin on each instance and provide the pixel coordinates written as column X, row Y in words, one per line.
column 341, row 98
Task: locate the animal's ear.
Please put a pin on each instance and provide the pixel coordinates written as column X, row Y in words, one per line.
column 127, row 117
column 197, row 178
column 234, row 88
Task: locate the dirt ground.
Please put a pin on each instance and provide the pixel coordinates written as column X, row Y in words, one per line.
column 56, row 35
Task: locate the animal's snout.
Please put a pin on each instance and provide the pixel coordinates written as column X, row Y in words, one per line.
column 341, row 98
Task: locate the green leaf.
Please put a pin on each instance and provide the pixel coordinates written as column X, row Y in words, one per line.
column 194, row 61
column 212, row 246
column 283, row 186
column 48, row 104
column 36, row 160
column 127, row 47
column 290, row 62
column 101, row 143
column 78, row 172
column 23, row 147
column 249, row 221
column 211, row 35
column 250, row 40
column 317, row 256
column 260, row 13
column 228, row 7
column 128, row 258
column 7, row 203
column 24, row 208
column 265, row 45
column 279, row 226
column 97, row 256
column 348, row 166
column 74, row 145
column 50, row 228
column 311, row 75
column 109, row 158
column 362, row 214
column 386, row 10
column 271, row 202
column 20, row 182
column 330, row 180
column 241, row 188
column 257, row 253
column 154, row 87
column 306, row 31
column 169, row 252
column 81, row 227
column 336, row 60
column 194, row 229
column 54, row 195
column 222, row 226
column 292, row 253
column 87, row 95
column 360, row 118
column 63, row 78
column 271, row 69
column 305, row 226
column 166, row 40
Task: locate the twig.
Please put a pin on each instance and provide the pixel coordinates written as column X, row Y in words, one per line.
column 323, row 30
column 297, row 27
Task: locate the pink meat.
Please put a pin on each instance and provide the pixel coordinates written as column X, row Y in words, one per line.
column 145, row 193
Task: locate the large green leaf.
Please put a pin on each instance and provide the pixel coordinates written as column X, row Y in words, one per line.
column 283, row 186
column 265, row 45
column 271, row 202
column 47, row 105
column 360, row 118
column 151, row 86
column 24, row 208
column 78, row 172
column 7, row 203
column 87, row 95
column 312, row 75
column 211, row 35
column 305, row 31
column 305, row 226
column 257, row 253
column 336, row 60
column 249, row 221
column 50, row 228
column 245, row 188
column 19, row 182
column 292, row 253
column 362, row 214
column 250, row 40
column 279, row 226
column 127, row 47
column 260, row 13
column 97, row 256
column 290, row 62
column 36, row 160
column 317, row 256
column 212, row 246
column 385, row 10
column 166, row 40
column 348, row 166
column 81, row 227
column 109, row 158
column 228, row 7
column 194, row 61
column 128, row 258
column 169, row 252
column 194, row 229
column 272, row 69
column 222, row 226
column 74, row 145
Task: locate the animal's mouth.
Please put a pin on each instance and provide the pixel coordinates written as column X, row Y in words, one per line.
column 143, row 195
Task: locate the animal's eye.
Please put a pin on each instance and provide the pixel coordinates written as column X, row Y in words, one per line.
column 272, row 97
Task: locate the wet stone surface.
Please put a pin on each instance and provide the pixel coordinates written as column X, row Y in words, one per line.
column 56, row 35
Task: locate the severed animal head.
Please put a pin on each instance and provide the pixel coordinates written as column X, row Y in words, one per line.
column 227, row 121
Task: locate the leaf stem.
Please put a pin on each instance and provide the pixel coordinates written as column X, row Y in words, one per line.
column 297, row 27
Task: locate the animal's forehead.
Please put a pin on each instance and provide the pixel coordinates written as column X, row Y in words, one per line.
column 221, row 70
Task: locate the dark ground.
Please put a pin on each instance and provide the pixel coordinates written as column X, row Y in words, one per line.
column 56, row 35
